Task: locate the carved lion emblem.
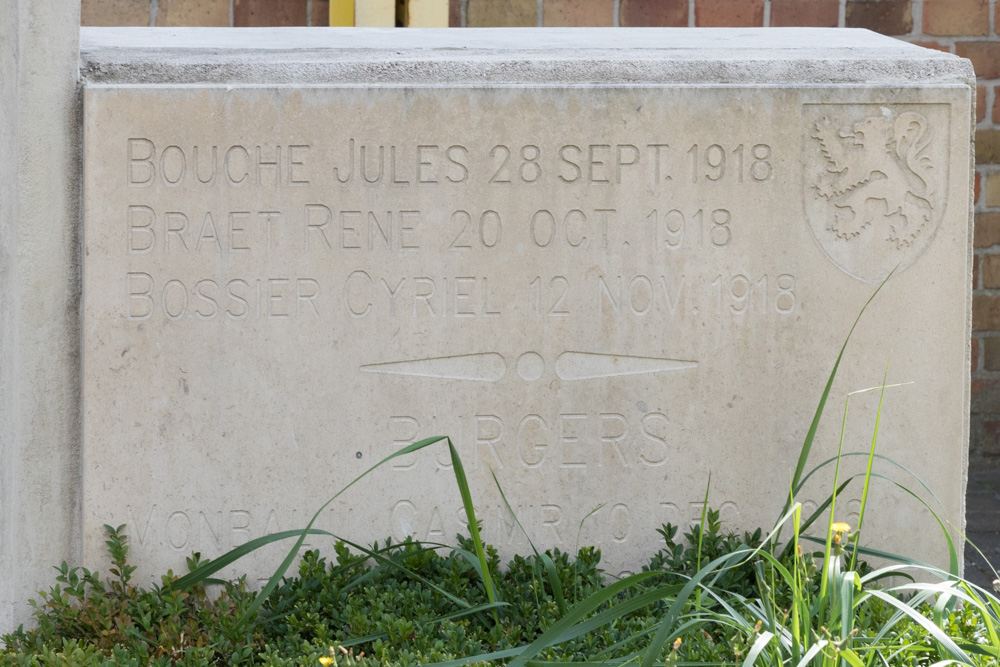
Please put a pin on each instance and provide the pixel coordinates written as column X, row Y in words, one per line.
column 874, row 183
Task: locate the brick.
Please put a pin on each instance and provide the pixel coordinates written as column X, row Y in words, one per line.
column 987, row 230
column 956, row 17
column 991, row 192
column 502, row 13
column 114, row 12
column 320, row 13
column 937, row 46
column 990, row 268
column 269, row 13
column 561, row 13
column 455, row 14
column 985, row 57
column 814, row 13
column 653, row 13
column 985, row 313
column 987, row 146
column 991, row 353
column 974, row 361
column 729, row 13
column 980, row 103
column 194, row 13
column 985, row 396
column 976, row 188
column 889, row 17
column 975, row 272
column 996, row 104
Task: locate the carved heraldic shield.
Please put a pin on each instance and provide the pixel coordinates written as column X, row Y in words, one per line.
column 875, row 183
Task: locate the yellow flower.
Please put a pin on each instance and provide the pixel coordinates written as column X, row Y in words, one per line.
column 677, row 643
column 326, row 661
column 840, row 528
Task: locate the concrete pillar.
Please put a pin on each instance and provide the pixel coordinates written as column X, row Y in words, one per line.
column 39, row 298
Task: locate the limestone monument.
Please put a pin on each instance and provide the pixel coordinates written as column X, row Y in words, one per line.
column 607, row 263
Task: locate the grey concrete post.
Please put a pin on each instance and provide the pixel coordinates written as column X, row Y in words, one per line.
column 39, row 298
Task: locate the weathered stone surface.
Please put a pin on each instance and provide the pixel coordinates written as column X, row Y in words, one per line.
column 39, row 299
column 603, row 294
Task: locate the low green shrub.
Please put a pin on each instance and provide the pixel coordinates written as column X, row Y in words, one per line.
column 367, row 612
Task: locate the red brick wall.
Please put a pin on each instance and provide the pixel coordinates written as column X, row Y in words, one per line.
column 205, row 13
column 969, row 28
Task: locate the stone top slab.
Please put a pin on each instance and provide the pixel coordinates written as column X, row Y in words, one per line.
column 492, row 56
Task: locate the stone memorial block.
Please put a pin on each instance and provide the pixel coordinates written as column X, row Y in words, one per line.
column 608, row 264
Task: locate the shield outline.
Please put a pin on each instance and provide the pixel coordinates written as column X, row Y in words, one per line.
column 845, row 115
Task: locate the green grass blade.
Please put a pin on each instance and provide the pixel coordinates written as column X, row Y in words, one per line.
column 510, row 509
column 666, row 628
column 355, row 641
column 201, row 573
column 952, row 552
column 546, row 560
column 868, row 467
column 758, row 646
column 811, row 653
column 875, row 553
column 849, row 582
column 287, row 563
column 937, row 633
column 470, row 513
column 814, row 425
column 880, row 457
column 554, row 582
column 852, row 658
column 579, row 528
column 576, row 614
column 833, row 502
column 482, row 657
column 817, row 513
column 392, row 564
column 617, row 611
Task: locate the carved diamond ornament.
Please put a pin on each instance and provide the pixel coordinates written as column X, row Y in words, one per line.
column 875, row 178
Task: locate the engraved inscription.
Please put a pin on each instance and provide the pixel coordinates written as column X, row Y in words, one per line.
column 566, row 439
column 600, row 295
column 487, row 367
column 589, row 365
